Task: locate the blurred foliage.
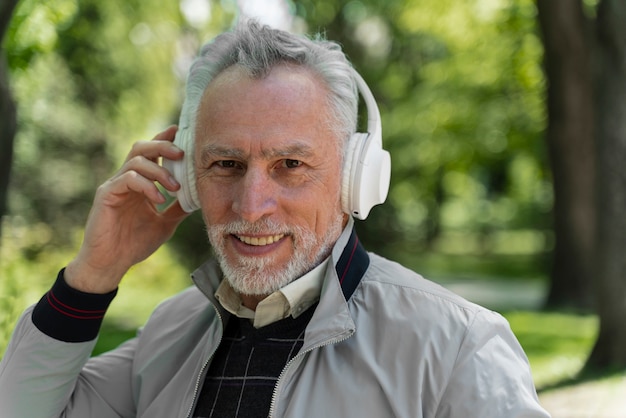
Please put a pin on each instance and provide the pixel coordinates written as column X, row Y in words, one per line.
column 460, row 90
column 90, row 78
column 25, row 274
column 459, row 87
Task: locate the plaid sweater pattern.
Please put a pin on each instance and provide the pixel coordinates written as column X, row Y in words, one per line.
column 245, row 368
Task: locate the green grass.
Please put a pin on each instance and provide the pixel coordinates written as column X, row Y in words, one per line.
column 557, row 344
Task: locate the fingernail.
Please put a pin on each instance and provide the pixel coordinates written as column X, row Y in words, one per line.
column 173, row 181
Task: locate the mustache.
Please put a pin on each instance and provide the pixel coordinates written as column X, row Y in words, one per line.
column 261, row 227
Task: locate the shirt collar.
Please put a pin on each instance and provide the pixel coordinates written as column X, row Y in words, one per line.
column 292, row 299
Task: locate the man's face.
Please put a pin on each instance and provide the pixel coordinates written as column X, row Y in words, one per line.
column 268, row 171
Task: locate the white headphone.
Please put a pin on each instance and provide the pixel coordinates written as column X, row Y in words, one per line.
column 367, row 166
column 366, row 171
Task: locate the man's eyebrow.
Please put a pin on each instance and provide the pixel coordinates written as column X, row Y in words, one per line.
column 296, row 149
column 221, row 151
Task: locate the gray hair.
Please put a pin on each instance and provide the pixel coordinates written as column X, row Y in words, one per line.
column 257, row 49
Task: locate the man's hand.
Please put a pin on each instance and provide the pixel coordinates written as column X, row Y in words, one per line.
column 124, row 227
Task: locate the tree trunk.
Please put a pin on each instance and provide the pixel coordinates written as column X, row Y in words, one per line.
column 610, row 347
column 8, row 119
column 569, row 136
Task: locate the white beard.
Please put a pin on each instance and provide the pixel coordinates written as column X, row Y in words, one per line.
column 260, row 275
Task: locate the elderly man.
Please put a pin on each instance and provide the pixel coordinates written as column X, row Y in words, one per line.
column 294, row 318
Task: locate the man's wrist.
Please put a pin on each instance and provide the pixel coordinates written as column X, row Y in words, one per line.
column 81, row 277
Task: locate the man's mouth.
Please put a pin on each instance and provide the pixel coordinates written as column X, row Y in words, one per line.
column 260, row 241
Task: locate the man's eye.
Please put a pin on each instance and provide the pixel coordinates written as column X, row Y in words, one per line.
column 227, row 164
column 292, row 163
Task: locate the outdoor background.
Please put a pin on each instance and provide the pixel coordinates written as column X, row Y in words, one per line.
column 505, row 119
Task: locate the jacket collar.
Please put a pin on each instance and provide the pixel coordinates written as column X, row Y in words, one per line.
column 332, row 320
column 351, row 265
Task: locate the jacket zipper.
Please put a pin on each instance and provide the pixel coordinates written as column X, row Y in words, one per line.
column 203, row 369
column 284, row 371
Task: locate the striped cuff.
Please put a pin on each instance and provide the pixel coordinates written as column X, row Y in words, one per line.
column 69, row 315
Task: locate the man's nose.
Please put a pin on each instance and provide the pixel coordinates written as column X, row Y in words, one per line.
column 255, row 195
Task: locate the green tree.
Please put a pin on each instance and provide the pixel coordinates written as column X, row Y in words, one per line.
column 610, row 147
column 585, row 55
column 8, row 118
column 570, row 133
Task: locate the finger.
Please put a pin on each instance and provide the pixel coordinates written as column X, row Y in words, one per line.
column 154, row 149
column 116, row 190
column 151, row 171
column 167, row 135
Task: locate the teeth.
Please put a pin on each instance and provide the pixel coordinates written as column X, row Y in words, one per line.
column 260, row 241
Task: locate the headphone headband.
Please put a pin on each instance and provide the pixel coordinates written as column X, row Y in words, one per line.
column 373, row 114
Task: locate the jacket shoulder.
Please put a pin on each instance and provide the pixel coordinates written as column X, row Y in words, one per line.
column 388, row 275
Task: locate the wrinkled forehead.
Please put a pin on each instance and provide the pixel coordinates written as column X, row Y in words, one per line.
column 288, row 107
column 294, row 89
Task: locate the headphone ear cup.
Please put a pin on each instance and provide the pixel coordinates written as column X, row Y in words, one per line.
column 350, row 160
column 183, row 171
column 367, row 172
